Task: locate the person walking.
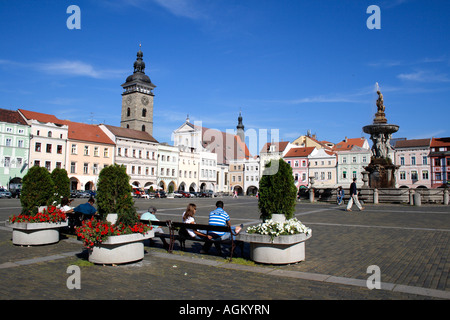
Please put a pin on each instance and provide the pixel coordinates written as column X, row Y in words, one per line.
column 354, row 197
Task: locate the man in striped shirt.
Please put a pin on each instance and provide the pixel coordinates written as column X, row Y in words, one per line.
column 219, row 217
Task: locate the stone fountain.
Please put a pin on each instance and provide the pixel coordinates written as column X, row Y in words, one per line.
column 381, row 170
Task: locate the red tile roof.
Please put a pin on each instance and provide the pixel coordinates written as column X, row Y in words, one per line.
column 227, row 147
column 412, row 143
column 279, row 146
column 299, row 152
column 348, row 144
column 440, row 142
column 11, row 116
column 77, row 130
column 130, row 133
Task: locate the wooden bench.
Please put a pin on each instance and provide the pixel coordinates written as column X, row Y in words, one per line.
column 182, row 234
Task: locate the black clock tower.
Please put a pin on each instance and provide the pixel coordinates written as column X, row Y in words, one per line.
column 137, row 99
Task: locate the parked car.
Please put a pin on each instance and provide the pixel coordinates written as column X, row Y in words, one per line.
column 5, row 193
column 83, row 194
column 160, row 194
column 181, row 194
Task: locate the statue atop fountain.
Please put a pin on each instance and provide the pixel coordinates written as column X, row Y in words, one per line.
column 381, row 169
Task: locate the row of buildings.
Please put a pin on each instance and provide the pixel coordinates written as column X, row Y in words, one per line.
column 200, row 158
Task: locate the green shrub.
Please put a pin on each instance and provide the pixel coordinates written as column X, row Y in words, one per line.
column 277, row 190
column 61, row 187
column 114, row 194
column 37, row 189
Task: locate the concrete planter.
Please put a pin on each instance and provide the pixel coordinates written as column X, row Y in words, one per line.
column 34, row 234
column 282, row 250
column 120, row 249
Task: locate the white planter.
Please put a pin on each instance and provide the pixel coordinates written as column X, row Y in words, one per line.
column 33, row 234
column 282, row 250
column 120, row 249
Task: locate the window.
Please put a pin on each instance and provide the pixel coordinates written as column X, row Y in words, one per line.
column 144, row 113
column 344, row 159
column 59, row 149
column 48, row 148
column 48, row 165
column 58, row 165
column 402, row 161
column 86, row 150
column 414, row 175
column 128, row 112
column 354, row 159
column 95, row 151
column 424, row 160
column 74, row 149
column 7, row 162
column 49, row 134
column 364, row 159
column 73, row 167
column 437, row 163
column 438, row 176
column 95, row 168
column 106, row 153
column 8, row 142
column 413, row 160
column 37, row 147
column 296, row 163
column 329, row 175
column 425, row 174
column 344, row 174
column 19, row 163
column 37, row 163
column 402, row 175
column 143, row 128
column 20, row 143
column 86, row 168
column 355, row 174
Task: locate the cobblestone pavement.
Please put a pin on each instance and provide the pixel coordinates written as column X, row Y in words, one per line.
column 410, row 245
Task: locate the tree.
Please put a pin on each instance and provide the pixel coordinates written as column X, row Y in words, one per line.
column 277, row 190
column 114, row 194
column 37, row 190
column 61, row 183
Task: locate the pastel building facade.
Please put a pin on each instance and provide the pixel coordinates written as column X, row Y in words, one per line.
column 298, row 159
column 14, row 149
column 413, row 158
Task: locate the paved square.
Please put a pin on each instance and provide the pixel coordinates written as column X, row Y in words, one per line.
column 409, row 245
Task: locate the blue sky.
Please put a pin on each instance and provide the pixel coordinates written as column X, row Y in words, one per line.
column 286, row 64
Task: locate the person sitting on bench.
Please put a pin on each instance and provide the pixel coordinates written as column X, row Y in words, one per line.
column 150, row 216
column 220, row 217
column 188, row 217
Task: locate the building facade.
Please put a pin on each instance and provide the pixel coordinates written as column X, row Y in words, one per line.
column 137, row 151
column 440, row 162
column 14, row 149
column 322, row 166
column 415, row 166
column 298, row 159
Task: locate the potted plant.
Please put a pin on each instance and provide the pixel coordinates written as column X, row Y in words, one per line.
column 280, row 237
column 117, row 236
column 40, row 220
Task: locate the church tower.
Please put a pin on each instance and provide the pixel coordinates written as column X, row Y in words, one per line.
column 240, row 128
column 137, row 99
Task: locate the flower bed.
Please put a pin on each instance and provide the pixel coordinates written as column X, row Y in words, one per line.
column 50, row 214
column 93, row 232
column 275, row 228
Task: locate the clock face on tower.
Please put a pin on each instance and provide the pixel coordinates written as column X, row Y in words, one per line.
column 144, row 101
column 128, row 100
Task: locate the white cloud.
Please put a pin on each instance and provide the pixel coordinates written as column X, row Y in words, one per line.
column 424, row 76
column 69, row 67
column 182, row 8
